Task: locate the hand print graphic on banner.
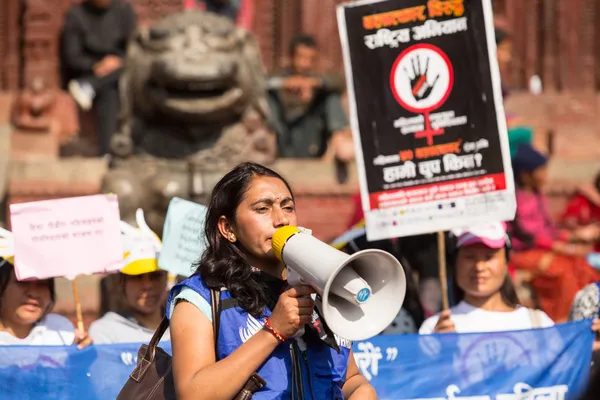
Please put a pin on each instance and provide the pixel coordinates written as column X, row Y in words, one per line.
column 421, row 81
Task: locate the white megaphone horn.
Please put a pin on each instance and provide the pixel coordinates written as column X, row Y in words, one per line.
column 361, row 293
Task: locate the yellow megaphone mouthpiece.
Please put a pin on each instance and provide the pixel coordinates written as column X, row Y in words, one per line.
column 279, row 239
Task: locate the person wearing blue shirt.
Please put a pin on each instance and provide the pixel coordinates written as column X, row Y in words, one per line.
column 263, row 315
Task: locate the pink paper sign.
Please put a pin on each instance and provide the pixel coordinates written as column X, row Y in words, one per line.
column 67, row 237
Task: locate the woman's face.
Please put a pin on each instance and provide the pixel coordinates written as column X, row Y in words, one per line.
column 535, row 179
column 25, row 303
column 480, row 270
column 266, row 206
column 145, row 293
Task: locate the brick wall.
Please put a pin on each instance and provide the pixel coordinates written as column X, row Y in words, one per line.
column 554, row 39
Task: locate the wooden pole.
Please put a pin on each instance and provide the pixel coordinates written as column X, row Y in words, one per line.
column 442, row 269
column 77, row 306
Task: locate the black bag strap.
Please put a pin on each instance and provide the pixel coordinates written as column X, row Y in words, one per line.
column 158, row 334
column 215, row 305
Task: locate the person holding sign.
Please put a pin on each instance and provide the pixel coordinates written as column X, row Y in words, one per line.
column 487, row 300
column 25, row 308
column 260, row 314
column 143, row 287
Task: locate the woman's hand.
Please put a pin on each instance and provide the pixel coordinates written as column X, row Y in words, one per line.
column 444, row 323
column 82, row 339
column 596, row 330
column 293, row 310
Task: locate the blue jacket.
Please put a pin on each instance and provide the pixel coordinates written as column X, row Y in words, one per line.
column 322, row 369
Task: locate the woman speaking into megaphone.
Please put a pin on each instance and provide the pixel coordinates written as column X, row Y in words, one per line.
column 260, row 314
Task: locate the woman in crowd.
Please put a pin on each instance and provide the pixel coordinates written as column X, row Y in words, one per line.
column 246, row 207
column 587, row 306
column 487, row 301
column 584, row 208
column 25, row 308
column 555, row 258
column 143, row 286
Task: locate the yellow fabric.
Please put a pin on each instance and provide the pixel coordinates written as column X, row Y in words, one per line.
column 141, row 247
column 139, row 267
column 7, row 246
column 10, row 259
column 280, row 237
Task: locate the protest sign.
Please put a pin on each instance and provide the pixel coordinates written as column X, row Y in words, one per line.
column 426, row 115
column 66, row 237
column 183, row 237
column 551, row 363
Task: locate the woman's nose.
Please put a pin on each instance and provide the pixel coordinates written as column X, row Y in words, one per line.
column 481, row 265
column 145, row 280
column 32, row 289
column 280, row 219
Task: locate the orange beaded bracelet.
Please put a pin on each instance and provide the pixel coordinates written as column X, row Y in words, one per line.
column 273, row 331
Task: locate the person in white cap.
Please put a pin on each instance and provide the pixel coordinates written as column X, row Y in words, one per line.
column 25, row 307
column 487, row 300
column 144, row 289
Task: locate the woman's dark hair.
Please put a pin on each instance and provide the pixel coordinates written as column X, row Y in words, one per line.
column 507, row 290
column 223, row 264
column 501, row 35
column 597, row 182
column 6, row 271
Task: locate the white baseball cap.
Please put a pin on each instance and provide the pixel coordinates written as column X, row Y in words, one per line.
column 492, row 235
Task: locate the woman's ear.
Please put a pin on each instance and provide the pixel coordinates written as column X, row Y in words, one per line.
column 226, row 230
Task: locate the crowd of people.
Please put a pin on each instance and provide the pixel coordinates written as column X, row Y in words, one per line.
column 558, row 260
column 555, row 258
column 245, row 209
column 306, row 112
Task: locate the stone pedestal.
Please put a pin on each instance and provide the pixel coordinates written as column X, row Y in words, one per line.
column 27, row 145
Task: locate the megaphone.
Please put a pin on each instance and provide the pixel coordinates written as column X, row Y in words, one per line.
column 361, row 294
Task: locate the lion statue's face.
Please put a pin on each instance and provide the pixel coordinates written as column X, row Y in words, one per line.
column 194, row 67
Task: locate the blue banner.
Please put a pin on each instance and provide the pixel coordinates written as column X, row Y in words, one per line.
column 65, row 373
column 551, row 364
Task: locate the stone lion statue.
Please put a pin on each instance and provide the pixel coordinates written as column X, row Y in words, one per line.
column 194, row 105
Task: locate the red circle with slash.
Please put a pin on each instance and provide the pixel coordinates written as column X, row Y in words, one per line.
column 406, row 53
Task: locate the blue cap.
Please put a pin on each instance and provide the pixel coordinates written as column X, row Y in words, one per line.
column 528, row 159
